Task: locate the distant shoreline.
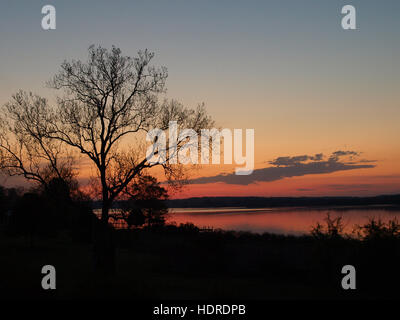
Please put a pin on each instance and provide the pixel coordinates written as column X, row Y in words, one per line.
column 276, row 202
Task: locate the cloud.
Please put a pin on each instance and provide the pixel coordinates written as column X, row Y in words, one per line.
column 337, row 154
column 344, row 187
column 286, row 167
column 305, row 189
column 288, row 161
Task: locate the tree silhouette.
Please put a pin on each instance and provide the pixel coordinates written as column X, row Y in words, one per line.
column 107, row 106
column 109, row 100
column 145, row 203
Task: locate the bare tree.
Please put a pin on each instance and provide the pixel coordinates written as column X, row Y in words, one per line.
column 106, row 107
column 109, row 103
column 24, row 148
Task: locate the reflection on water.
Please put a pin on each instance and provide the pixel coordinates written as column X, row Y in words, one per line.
column 294, row 221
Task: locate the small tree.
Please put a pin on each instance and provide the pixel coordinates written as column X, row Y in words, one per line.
column 134, row 217
column 145, row 203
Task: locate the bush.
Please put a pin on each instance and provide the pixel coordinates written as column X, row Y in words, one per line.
column 333, row 229
column 376, row 229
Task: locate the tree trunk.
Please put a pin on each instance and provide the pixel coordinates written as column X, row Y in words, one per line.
column 105, row 207
column 104, row 244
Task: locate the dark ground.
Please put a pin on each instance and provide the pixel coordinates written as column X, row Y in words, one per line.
column 183, row 263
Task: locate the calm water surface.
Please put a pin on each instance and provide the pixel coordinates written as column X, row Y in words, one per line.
column 293, row 221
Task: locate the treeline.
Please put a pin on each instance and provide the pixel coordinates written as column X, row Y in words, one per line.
column 259, row 202
column 58, row 207
column 46, row 212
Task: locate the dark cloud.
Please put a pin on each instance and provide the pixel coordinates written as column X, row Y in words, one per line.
column 286, row 167
column 337, row 154
column 289, row 161
column 349, row 186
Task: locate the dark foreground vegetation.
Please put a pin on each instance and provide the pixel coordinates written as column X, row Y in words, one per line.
column 182, row 262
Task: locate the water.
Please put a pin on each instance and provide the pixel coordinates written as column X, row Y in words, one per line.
column 294, row 221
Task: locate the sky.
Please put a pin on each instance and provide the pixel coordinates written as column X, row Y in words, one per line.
column 284, row 68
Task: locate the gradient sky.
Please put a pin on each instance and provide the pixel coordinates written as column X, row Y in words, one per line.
column 285, row 68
